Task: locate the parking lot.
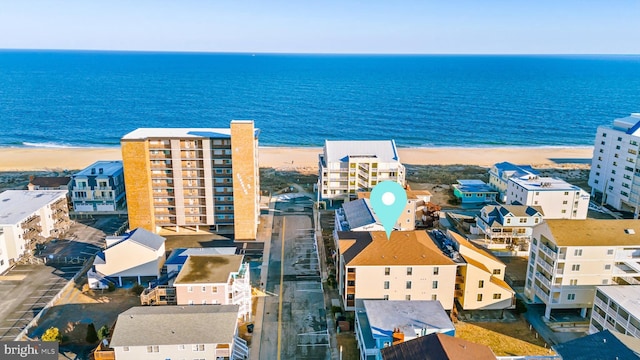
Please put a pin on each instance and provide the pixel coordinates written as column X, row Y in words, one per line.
column 26, row 289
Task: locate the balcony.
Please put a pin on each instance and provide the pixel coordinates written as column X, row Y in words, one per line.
column 351, row 276
column 546, row 266
column 541, row 294
column 548, row 251
column 543, row 280
column 459, row 279
column 458, row 293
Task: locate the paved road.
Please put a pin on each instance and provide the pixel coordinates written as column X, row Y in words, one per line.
column 294, row 324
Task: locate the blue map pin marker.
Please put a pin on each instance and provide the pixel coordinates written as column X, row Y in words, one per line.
column 388, row 200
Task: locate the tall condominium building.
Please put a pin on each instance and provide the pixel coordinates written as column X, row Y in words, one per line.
column 346, row 167
column 615, row 172
column 195, row 179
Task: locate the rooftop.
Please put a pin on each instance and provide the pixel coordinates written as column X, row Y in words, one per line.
column 537, row 183
column 601, row 345
column 359, row 213
column 474, row 186
column 17, row 205
column 403, row 248
column 630, row 124
column 50, row 181
column 106, row 168
column 173, row 325
column 181, row 133
column 407, row 315
column 592, row 232
column 341, row 151
column 411, row 194
column 510, row 169
column 179, row 256
column 627, row 296
column 208, row 269
column 140, row 236
column 437, row 346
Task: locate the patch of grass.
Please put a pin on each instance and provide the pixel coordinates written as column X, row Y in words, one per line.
column 504, row 339
column 347, row 342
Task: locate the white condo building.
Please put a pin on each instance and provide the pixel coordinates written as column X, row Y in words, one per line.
column 570, row 258
column 614, row 176
column 557, row 198
column 616, row 308
column 346, row 167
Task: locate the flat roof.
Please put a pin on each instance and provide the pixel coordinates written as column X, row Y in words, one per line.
column 17, row 205
column 407, row 315
column 181, row 133
column 179, row 256
column 593, row 232
column 359, row 213
column 342, row 150
column 108, row 168
column 537, row 183
column 627, row 296
column 208, row 269
column 174, row 325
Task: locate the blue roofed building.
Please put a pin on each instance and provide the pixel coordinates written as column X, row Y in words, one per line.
column 99, row 188
column 383, row 323
column 500, row 173
column 602, row 345
column 474, row 192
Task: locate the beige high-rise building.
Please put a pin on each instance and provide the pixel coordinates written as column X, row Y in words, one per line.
column 196, row 179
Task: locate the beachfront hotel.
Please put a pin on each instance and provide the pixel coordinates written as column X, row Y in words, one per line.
column 614, row 176
column 28, row 218
column 193, row 180
column 570, row 258
column 347, row 167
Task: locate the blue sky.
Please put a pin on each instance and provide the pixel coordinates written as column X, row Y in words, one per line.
column 400, row 26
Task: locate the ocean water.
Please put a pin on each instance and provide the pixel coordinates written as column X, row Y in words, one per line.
column 67, row 98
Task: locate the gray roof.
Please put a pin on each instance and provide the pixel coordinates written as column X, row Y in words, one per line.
column 627, row 296
column 17, row 205
column 181, row 133
column 340, row 151
column 358, row 213
column 515, row 170
column 109, row 168
column 174, row 325
column 408, row 316
column 601, row 345
column 144, row 238
column 209, row 269
column 179, row 256
column 50, row 181
column 437, row 347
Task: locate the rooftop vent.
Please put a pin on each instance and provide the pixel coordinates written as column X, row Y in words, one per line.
column 629, row 231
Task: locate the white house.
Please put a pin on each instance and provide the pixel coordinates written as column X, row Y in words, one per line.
column 346, row 167
column 135, row 257
column 557, row 198
column 500, row 173
column 615, row 176
column 507, row 226
column 28, row 218
column 178, row 332
column 570, row 258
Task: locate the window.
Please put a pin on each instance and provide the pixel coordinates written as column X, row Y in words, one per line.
column 387, row 271
column 198, row 347
column 181, row 347
column 577, row 252
column 125, row 348
column 407, row 297
column 571, row 297
column 408, row 286
column 409, row 270
column 385, row 297
column 497, row 296
column 152, row 348
column 564, row 202
column 566, row 193
column 610, row 252
column 189, row 288
column 480, row 284
column 479, row 297
column 386, row 284
column 523, row 220
column 204, row 302
column 204, row 289
column 434, row 284
column 214, row 289
column 607, row 267
column 575, row 267
column 573, row 282
column 434, row 297
column 496, row 271
column 436, row 270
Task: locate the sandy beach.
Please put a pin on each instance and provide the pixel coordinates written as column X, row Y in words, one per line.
column 305, row 159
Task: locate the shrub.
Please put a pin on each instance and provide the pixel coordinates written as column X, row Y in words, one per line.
column 52, row 334
column 137, row 289
column 111, row 287
column 103, row 332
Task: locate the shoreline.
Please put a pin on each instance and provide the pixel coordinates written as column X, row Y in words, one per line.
column 305, row 159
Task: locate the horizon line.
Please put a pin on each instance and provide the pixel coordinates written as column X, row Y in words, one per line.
column 253, row 53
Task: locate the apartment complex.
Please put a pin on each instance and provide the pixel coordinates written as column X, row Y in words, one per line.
column 570, row 258
column 411, row 265
column 177, row 332
column 557, row 198
column 28, row 218
column 413, row 210
column 193, row 179
column 500, row 173
column 616, row 308
column 99, row 187
column 347, row 167
column 507, row 226
column 615, row 175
